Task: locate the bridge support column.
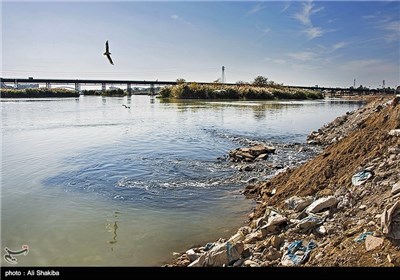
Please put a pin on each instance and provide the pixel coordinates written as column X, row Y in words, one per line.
column 77, row 87
column 48, row 85
column 103, row 87
column 152, row 91
column 129, row 88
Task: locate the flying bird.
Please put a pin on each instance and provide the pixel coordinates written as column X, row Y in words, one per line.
column 107, row 53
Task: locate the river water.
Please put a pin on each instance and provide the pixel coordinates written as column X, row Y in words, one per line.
column 88, row 182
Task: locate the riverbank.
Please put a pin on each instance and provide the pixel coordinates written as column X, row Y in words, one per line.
column 37, row 93
column 340, row 208
column 219, row 91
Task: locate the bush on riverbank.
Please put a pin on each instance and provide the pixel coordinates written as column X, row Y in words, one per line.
column 218, row 91
column 37, row 93
column 109, row 92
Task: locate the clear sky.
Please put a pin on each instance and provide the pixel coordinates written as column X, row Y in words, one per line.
column 292, row 42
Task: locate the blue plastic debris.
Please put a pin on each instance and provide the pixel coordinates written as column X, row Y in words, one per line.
column 295, row 247
column 363, row 236
column 209, row 246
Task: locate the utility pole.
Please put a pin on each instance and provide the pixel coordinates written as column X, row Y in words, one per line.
column 223, row 75
column 354, row 84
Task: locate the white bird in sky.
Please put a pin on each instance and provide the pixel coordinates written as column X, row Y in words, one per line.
column 107, row 53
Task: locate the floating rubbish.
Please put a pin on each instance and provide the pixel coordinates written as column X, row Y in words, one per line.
column 361, row 177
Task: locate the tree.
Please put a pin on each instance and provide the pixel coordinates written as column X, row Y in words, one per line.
column 260, row 81
column 180, row 81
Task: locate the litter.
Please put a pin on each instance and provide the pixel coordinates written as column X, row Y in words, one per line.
column 297, row 253
column 208, row 246
column 360, row 177
column 363, row 236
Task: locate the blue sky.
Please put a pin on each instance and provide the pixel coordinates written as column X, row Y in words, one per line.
column 291, row 42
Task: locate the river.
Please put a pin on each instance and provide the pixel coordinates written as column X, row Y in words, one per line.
column 88, row 182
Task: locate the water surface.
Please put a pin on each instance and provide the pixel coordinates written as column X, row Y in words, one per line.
column 87, row 182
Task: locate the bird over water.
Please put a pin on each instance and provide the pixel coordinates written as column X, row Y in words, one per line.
column 108, row 54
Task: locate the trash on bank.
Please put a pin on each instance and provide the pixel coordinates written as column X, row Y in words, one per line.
column 390, row 221
column 361, row 177
column 363, row 236
column 297, row 253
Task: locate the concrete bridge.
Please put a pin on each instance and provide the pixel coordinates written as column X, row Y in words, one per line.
column 332, row 91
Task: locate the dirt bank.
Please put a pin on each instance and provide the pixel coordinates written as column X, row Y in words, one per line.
column 318, row 214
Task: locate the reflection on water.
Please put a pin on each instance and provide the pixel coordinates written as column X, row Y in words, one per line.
column 68, row 163
column 112, row 227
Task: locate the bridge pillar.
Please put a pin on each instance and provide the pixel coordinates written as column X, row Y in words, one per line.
column 152, row 91
column 103, row 87
column 48, row 85
column 129, row 88
column 77, row 87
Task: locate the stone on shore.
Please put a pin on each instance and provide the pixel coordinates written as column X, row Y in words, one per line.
column 321, row 203
column 249, row 154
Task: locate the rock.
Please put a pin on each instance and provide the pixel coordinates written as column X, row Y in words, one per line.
column 362, row 207
column 319, row 255
column 371, row 223
column 238, row 263
column 274, row 221
column 248, row 168
column 220, row 255
column 252, row 180
column 250, row 263
column 321, row 230
column 262, row 157
column 176, row 254
column 308, row 222
column 394, row 150
column 183, row 263
column 276, row 241
column 192, row 255
column 346, row 201
column 394, row 132
column 272, row 254
column 253, row 237
column 321, row 203
column 372, row 242
column 239, row 236
column 396, row 188
column 390, row 221
column 299, row 203
column 245, row 230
